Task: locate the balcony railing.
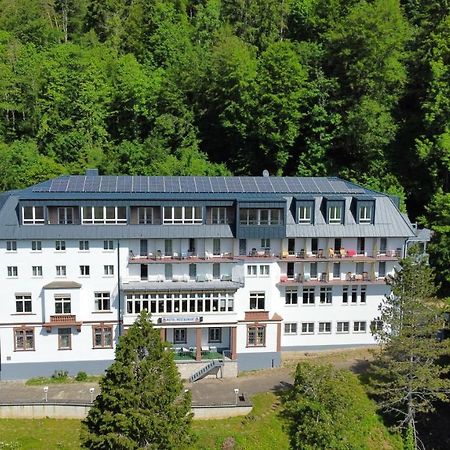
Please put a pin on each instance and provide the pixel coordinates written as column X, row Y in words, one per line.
column 62, row 320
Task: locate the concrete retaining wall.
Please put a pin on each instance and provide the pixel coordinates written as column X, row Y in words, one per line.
column 79, row 411
column 186, row 369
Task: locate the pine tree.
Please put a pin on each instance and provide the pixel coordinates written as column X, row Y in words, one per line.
column 406, row 376
column 141, row 404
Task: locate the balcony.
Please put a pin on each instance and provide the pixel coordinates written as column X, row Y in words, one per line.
column 62, row 320
column 324, row 279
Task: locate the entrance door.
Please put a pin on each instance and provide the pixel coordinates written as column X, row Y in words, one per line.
column 291, row 246
column 143, row 250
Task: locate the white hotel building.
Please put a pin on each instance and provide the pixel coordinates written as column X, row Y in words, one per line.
column 245, row 266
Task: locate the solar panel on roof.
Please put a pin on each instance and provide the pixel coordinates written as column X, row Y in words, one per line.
column 156, row 184
column 140, row 183
column 234, row 185
column 187, row 184
column 59, row 185
column 92, row 184
column 75, row 184
column 279, row 184
column 108, row 184
column 218, row 184
column 264, row 184
column 124, row 184
column 172, row 184
column 295, row 184
column 203, row 184
column 249, row 184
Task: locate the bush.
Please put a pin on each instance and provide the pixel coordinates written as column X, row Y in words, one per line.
column 60, row 375
column 81, row 376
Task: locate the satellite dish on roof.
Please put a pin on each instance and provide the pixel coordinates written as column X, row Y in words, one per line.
column 265, row 173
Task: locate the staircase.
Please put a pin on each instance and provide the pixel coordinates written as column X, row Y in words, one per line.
column 215, row 363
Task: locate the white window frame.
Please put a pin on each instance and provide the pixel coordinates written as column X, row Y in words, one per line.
column 12, row 271
column 218, row 215
column 290, row 328
column 34, row 220
column 65, row 303
column 291, row 297
column 83, row 246
column 365, row 214
column 305, row 214
column 326, row 295
column 252, row 270
column 359, row 326
column 343, row 327
column 24, row 304
column 60, row 246
column 104, row 219
column 255, row 299
column 309, row 291
column 36, row 271
column 335, row 214
column 189, row 214
column 307, row 328
column 65, row 215
column 85, row 271
column 108, row 245
column 108, row 270
column 61, row 271
column 264, row 270
column 324, row 327
column 102, row 301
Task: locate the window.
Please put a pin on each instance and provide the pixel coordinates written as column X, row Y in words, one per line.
column 354, row 294
column 218, row 215
column 12, row 271
column 264, row 270
column 168, row 271
column 307, row 327
column 324, row 327
column 168, row 247
column 11, row 246
column 182, row 214
column 145, row 215
column 62, row 304
column 252, row 271
column 291, row 297
column 325, row 296
column 376, row 325
column 343, row 327
column 359, row 327
column 192, row 271
column 33, row 215
column 36, row 246
column 108, row 245
column 308, row 296
column 85, row 271
column 365, row 212
column 179, row 335
column 345, row 295
column 102, row 301
column 23, row 303
column 363, row 296
column 83, row 245
column 103, row 214
column 382, row 269
column 305, row 213
column 108, row 270
column 61, row 271
column 313, row 270
column 214, row 334
column 60, row 246
column 36, row 271
column 361, row 245
column 383, row 245
column 102, row 336
column 257, row 300
column 290, row 328
column 265, row 243
column 216, row 247
column 335, row 213
column 23, row 339
column 216, row 271
column 359, row 268
column 256, row 336
column 337, row 270
column 64, row 339
column 65, row 216
column 253, row 216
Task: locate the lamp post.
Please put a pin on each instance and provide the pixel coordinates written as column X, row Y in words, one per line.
column 236, row 395
column 46, row 393
column 91, row 391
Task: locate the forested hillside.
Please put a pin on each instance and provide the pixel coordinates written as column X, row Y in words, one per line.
column 358, row 89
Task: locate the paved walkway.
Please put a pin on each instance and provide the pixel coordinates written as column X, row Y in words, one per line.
column 204, row 392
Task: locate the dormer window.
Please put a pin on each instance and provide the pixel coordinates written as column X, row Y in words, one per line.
column 33, row 215
column 365, row 210
column 305, row 212
column 335, row 213
column 65, row 215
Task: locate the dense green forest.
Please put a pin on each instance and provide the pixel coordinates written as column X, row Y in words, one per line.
column 357, row 89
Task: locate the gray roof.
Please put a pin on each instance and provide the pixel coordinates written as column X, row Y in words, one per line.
column 125, row 190
column 177, row 286
column 63, row 285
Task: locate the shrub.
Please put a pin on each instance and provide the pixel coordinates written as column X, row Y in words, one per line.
column 60, row 375
column 81, row 376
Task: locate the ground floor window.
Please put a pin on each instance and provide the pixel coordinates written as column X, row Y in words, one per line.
column 359, row 327
column 64, row 339
column 23, row 339
column 180, row 336
column 215, row 335
column 256, row 336
column 102, row 336
column 343, row 327
column 308, row 328
column 324, row 327
column 290, row 328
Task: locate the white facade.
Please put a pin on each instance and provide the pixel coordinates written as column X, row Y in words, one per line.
column 67, row 296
